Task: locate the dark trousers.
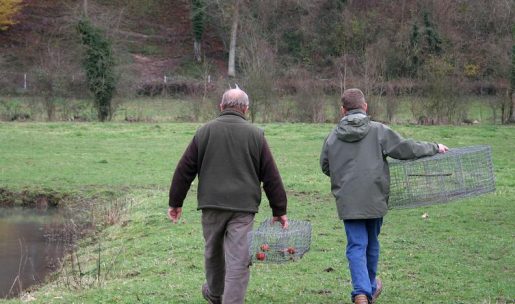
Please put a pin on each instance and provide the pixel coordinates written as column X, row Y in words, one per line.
column 227, row 253
column 363, row 254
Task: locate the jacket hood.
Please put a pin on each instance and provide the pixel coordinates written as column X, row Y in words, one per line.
column 353, row 126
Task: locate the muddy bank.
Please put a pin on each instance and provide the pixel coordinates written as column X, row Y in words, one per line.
column 31, row 247
column 38, row 228
column 40, row 233
column 40, row 199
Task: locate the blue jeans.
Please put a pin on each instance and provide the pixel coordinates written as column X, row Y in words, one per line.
column 363, row 254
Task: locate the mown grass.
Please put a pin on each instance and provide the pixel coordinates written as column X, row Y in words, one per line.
column 462, row 253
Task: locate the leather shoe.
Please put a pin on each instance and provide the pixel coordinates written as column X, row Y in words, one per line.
column 378, row 291
column 361, row 299
column 208, row 297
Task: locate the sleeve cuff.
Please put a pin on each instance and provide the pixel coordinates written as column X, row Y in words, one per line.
column 175, row 205
column 279, row 211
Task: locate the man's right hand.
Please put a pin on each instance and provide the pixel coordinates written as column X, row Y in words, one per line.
column 442, row 148
column 283, row 219
column 174, row 214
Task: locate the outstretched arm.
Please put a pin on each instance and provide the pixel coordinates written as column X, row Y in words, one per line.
column 399, row 148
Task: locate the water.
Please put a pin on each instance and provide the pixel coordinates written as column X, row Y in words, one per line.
column 29, row 250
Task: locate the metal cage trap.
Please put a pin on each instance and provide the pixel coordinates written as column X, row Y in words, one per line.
column 459, row 173
column 270, row 243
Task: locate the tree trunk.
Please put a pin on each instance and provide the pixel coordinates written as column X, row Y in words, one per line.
column 512, row 108
column 232, row 49
column 511, row 118
column 197, row 50
column 50, row 108
column 85, row 8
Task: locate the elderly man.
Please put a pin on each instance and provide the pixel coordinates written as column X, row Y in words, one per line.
column 231, row 158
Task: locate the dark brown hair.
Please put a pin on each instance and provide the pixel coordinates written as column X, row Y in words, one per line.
column 353, row 99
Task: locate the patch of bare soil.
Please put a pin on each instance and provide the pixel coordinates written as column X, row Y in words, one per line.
column 154, row 69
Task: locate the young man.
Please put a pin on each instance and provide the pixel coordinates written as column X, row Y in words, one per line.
column 354, row 156
column 231, row 158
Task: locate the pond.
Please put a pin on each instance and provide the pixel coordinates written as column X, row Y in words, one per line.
column 31, row 247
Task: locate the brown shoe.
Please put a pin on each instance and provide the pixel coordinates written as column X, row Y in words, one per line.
column 378, row 291
column 208, row 297
column 361, row 299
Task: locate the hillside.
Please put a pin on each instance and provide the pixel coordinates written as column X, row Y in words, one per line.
column 382, row 46
column 150, row 40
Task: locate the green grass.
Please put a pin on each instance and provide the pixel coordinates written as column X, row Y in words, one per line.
column 463, row 253
column 162, row 109
column 159, row 109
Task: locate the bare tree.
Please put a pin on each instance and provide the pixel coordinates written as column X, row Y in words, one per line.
column 512, row 80
column 257, row 61
column 310, row 98
column 231, row 71
column 392, row 102
column 85, row 8
column 373, row 79
column 341, row 66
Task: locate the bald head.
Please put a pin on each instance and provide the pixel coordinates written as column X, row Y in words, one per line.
column 353, row 99
column 235, row 99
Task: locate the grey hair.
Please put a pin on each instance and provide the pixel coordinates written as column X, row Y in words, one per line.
column 235, row 98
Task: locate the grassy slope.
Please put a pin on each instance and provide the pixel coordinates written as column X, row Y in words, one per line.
column 463, row 253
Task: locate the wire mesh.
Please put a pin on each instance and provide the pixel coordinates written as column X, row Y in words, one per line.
column 270, row 243
column 459, row 173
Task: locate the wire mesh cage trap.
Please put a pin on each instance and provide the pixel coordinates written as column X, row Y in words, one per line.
column 459, row 173
column 270, row 243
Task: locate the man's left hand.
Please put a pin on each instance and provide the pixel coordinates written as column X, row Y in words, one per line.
column 174, row 214
column 283, row 219
column 442, row 148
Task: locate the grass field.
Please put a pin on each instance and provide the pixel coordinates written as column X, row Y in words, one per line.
column 463, row 253
column 163, row 109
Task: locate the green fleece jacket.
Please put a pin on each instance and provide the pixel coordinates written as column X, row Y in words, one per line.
column 232, row 159
column 354, row 156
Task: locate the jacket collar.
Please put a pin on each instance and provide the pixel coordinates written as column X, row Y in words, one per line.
column 232, row 112
column 355, row 111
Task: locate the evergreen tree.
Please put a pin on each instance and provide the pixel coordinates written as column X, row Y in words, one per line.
column 98, row 63
column 415, row 49
column 433, row 39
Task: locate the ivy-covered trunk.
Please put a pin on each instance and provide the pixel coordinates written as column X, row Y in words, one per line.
column 198, row 13
column 98, row 63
